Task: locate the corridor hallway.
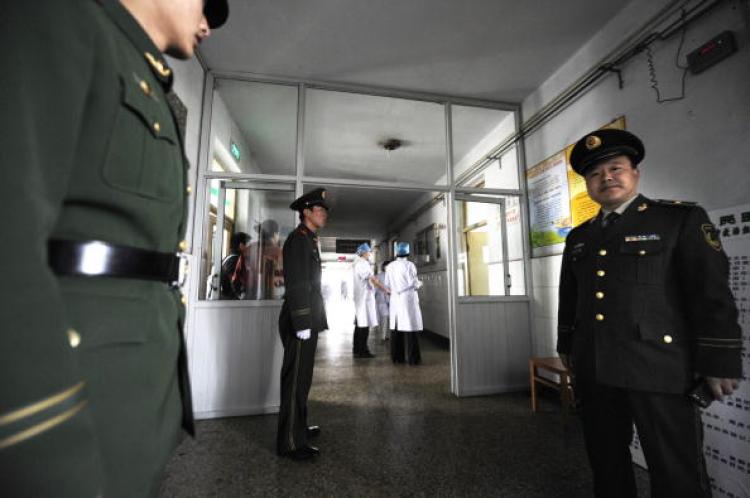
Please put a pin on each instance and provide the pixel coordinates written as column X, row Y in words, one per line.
column 390, row 431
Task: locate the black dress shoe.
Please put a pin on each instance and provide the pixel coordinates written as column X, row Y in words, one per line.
column 313, row 450
column 313, row 431
column 303, row 453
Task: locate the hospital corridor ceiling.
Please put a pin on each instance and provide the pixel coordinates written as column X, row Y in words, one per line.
column 499, row 50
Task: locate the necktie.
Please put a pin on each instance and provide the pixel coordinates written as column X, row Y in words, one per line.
column 610, row 219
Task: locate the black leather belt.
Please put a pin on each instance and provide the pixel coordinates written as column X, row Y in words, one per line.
column 95, row 258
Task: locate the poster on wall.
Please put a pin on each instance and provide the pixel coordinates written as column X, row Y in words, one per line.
column 558, row 200
column 549, row 202
column 727, row 425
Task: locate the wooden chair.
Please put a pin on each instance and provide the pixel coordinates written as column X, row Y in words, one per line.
column 555, row 366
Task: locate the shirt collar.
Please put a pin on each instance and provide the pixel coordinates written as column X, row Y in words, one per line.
column 140, row 39
column 621, row 208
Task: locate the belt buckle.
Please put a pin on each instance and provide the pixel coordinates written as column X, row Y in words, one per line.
column 183, row 268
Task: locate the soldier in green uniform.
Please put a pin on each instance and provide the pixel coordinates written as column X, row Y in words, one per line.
column 645, row 313
column 302, row 317
column 92, row 360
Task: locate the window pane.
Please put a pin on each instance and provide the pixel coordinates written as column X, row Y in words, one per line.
column 480, row 249
column 253, row 128
column 476, row 131
column 501, row 173
column 349, row 135
column 255, row 224
column 514, row 233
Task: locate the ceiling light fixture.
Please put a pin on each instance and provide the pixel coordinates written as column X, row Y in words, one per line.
column 391, row 144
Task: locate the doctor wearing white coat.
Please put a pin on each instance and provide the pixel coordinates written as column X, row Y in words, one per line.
column 365, row 309
column 405, row 315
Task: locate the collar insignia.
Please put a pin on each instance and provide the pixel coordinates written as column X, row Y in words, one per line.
column 642, row 207
column 158, row 65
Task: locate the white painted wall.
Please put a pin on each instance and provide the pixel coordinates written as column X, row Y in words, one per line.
column 697, row 149
column 188, row 85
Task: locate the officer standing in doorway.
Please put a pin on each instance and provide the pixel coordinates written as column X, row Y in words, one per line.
column 302, row 317
column 92, row 358
column 646, row 314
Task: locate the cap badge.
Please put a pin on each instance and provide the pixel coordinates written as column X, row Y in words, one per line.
column 643, row 207
column 323, row 194
column 592, row 142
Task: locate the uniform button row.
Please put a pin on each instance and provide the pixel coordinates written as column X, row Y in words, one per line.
column 599, row 317
column 599, row 295
column 183, row 245
column 602, row 252
column 600, row 273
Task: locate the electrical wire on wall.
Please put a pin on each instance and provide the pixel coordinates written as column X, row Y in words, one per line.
column 652, row 66
column 691, row 10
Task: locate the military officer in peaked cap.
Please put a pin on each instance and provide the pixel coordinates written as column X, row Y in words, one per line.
column 302, row 317
column 645, row 313
column 94, row 371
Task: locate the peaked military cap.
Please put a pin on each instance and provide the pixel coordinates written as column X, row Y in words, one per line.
column 601, row 145
column 216, row 12
column 315, row 198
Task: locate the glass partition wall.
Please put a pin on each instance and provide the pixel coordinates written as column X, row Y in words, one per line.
column 267, row 142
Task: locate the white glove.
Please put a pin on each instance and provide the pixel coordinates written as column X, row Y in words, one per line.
column 303, row 334
column 418, row 285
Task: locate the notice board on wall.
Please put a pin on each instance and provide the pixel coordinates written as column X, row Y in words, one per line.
column 726, row 426
column 557, row 199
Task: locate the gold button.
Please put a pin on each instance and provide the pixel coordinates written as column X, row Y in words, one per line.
column 600, row 295
column 145, row 87
column 183, row 245
column 157, row 127
column 667, row 339
column 189, row 189
column 602, row 252
column 600, row 273
column 641, row 253
column 183, row 299
column 599, row 317
column 74, row 338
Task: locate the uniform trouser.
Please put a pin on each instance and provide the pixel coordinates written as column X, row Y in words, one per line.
column 670, row 433
column 361, row 334
column 296, row 379
column 413, row 354
column 130, row 362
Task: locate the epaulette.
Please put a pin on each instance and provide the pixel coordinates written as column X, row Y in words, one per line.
column 672, row 203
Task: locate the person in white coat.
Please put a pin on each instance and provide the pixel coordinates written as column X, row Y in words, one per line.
column 382, row 299
column 405, row 315
column 366, row 314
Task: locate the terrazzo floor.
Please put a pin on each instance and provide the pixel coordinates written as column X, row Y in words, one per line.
column 391, row 431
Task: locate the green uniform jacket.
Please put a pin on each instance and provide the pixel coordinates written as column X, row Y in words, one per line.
column 646, row 304
column 90, row 397
column 303, row 301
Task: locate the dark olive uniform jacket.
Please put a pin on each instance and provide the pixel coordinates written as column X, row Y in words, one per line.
column 645, row 304
column 303, row 302
column 90, row 151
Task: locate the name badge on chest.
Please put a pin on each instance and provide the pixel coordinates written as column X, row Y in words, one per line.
column 642, row 237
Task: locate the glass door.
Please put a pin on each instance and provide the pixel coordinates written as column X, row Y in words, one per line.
column 481, row 239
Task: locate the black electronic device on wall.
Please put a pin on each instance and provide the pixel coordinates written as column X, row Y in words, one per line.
column 716, row 49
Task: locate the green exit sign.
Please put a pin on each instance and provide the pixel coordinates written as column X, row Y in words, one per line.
column 235, row 150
